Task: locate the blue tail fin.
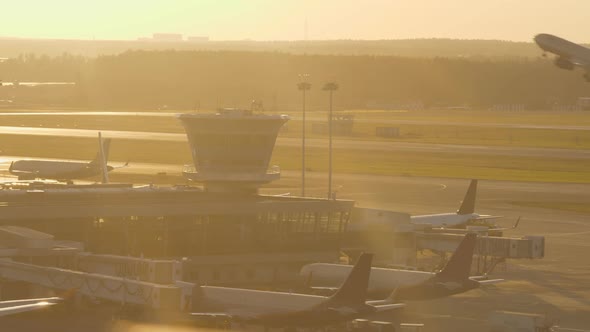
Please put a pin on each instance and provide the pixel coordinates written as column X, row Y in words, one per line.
column 354, row 289
column 468, row 204
column 459, row 266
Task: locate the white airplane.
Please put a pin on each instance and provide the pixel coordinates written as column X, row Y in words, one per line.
column 568, row 54
column 14, row 307
column 65, row 170
column 407, row 284
column 464, row 215
column 289, row 310
column 33, row 84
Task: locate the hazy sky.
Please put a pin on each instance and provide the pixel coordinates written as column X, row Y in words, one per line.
column 516, row 20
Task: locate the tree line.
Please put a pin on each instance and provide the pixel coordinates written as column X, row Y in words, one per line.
column 209, row 79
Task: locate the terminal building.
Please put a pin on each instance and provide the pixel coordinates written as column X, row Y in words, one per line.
column 224, row 232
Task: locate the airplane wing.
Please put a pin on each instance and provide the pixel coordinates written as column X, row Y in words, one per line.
column 122, row 166
column 579, row 62
column 9, row 308
column 388, row 307
column 388, row 303
column 326, row 291
column 235, row 315
column 487, row 217
column 215, row 315
column 484, row 280
column 490, row 281
column 507, row 228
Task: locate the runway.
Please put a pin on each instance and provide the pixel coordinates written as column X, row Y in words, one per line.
column 312, row 118
column 339, row 143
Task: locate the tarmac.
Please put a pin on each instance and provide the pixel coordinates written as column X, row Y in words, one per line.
column 338, row 143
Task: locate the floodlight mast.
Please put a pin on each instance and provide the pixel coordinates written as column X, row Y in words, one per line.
column 330, row 87
column 303, row 86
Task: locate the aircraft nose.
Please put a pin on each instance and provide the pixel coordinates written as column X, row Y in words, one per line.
column 540, row 38
column 304, row 271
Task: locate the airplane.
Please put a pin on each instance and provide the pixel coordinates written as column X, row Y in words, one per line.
column 408, row 284
column 34, row 84
column 14, row 307
column 568, row 54
column 290, row 310
column 464, row 215
column 65, row 170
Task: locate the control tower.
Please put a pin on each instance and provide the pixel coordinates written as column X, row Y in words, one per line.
column 231, row 149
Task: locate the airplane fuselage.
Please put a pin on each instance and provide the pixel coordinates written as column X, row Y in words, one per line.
column 256, row 302
column 48, row 169
column 444, row 219
column 436, row 288
column 410, row 285
column 381, row 282
column 276, row 309
column 561, row 47
column 568, row 54
column 404, row 284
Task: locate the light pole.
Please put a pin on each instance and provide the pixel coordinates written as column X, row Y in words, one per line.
column 303, row 87
column 330, row 87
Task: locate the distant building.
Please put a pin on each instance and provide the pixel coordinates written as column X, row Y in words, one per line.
column 169, row 37
column 197, row 39
column 508, row 107
column 342, row 125
column 583, row 103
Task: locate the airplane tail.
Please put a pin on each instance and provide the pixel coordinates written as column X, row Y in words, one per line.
column 353, row 290
column 104, row 145
column 468, row 204
column 102, row 156
column 459, row 265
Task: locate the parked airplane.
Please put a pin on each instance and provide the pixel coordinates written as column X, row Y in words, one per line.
column 65, row 170
column 289, row 310
column 8, row 308
column 465, row 213
column 409, row 285
column 568, row 54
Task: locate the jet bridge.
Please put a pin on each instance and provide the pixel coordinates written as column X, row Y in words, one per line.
column 530, row 247
column 489, row 250
column 36, row 259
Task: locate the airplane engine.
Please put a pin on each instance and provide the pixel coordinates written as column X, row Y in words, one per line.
column 564, row 63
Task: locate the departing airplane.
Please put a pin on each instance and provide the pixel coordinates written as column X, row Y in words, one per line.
column 289, row 310
column 408, row 285
column 14, row 307
column 568, row 54
column 65, row 170
column 465, row 214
